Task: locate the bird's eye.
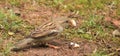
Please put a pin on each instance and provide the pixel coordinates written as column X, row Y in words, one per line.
column 66, row 21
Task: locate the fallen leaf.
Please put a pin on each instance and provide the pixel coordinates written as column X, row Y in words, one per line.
column 107, row 19
column 116, row 23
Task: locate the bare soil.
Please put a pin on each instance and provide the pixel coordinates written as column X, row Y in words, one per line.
column 86, row 48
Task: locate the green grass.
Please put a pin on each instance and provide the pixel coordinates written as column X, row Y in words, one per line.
column 93, row 27
column 99, row 53
column 6, row 50
column 10, row 24
column 92, row 11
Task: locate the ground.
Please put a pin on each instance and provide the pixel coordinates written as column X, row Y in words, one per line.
column 93, row 32
column 85, row 49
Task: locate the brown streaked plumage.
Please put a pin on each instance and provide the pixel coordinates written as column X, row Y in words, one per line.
column 46, row 29
column 44, row 33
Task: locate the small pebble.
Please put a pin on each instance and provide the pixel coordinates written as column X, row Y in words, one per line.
column 73, row 45
column 11, row 33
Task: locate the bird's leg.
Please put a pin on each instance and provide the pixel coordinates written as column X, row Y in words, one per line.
column 52, row 46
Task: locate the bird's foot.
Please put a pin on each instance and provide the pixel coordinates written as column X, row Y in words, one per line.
column 52, row 46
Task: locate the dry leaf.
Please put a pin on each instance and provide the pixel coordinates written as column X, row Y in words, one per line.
column 107, row 19
column 116, row 23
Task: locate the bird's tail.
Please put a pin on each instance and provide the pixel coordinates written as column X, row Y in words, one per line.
column 22, row 44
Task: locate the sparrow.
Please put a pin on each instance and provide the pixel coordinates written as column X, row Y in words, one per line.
column 45, row 33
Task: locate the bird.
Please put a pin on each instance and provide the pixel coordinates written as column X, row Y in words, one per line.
column 45, row 33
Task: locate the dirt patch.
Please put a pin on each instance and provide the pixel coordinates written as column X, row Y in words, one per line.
column 86, row 48
column 36, row 15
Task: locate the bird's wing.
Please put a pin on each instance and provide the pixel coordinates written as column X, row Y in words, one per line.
column 47, row 29
column 43, row 34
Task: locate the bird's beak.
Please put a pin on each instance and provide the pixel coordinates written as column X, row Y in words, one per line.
column 73, row 23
